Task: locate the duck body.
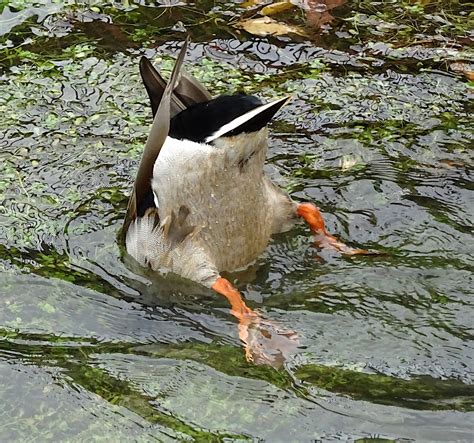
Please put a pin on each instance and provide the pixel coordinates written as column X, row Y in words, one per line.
column 212, row 189
column 201, row 203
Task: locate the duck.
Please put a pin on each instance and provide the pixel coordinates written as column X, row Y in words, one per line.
column 201, row 204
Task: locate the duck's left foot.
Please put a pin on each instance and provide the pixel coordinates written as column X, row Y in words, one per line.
column 264, row 341
column 323, row 239
column 239, row 309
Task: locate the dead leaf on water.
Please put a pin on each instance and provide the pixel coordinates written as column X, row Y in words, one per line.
column 452, row 164
column 276, row 8
column 463, row 68
column 317, row 11
column 267, row 26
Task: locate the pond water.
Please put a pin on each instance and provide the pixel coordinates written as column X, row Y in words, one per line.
column 378, row 134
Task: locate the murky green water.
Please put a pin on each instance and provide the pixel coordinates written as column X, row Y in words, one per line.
column 379, row 134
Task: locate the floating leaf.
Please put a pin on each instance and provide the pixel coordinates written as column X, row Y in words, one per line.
column 317, row 11
column 267, row 26
column 276, row 8
column 452, row 164
column 463, row 68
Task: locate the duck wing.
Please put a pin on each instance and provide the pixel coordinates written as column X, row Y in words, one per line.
column 187, row 92
column 156, row 138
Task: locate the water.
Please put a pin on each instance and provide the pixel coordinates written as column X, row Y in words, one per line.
column 378, row 133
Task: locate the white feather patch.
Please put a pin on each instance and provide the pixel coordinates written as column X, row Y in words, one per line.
column 240, row 120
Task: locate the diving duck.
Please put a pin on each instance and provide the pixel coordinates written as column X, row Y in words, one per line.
column 201, row 203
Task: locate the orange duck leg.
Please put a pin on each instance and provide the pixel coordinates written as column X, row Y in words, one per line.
column 312, row 215
column 264, row 341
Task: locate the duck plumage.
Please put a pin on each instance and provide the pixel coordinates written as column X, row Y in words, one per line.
column 201, row 203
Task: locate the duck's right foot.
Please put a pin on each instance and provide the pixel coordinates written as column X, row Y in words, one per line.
column 312, row 215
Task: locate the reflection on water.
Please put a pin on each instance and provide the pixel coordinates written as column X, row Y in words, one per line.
column 377, row 134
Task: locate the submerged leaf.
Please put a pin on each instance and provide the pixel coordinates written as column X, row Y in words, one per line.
column 317, row 11
column 463, row 68
column 267, row 26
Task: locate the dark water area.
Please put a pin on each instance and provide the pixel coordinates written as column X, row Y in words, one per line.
column 378, row 134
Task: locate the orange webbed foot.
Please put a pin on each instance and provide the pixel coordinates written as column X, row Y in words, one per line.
column 267, row 343
column 239, row 309
column 263, row 340
column 312, row 215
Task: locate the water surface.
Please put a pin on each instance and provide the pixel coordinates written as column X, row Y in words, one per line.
column 378, row 134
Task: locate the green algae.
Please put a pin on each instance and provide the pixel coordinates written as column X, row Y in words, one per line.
column 418, row 393
column 379, row 130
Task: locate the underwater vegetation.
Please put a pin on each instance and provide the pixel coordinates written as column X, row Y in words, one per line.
column 378, row 134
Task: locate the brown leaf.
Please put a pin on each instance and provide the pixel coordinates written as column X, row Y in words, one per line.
column 463, row 68
column 452, row 164
column 317, row 11
column 469, row 75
